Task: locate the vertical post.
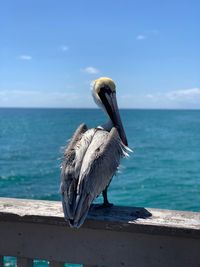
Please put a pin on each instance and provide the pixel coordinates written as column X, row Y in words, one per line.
column 56, row 264
column 1, row 261
column 24, row 262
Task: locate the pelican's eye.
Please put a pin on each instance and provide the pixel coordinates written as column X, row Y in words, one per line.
column 105, row 89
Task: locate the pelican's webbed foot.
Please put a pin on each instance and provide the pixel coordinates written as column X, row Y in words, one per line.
column 106, row 203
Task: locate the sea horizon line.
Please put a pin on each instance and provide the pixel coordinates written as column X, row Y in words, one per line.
column 96, row 108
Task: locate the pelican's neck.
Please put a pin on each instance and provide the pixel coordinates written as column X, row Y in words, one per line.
column 107, row 126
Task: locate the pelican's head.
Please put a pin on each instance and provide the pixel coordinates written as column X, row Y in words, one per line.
column 104, row 94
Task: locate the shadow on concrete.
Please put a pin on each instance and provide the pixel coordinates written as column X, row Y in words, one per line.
column 118, row 213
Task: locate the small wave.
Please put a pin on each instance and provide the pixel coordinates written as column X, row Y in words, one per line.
column 6, row 177
column 12, row 177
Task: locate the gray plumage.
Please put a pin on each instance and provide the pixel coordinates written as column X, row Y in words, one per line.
column 88, row 167
column 90, row 161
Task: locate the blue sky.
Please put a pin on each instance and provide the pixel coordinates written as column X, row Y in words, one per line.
column 50, row 51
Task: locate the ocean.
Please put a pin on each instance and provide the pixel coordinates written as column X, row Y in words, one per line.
column 162, row 172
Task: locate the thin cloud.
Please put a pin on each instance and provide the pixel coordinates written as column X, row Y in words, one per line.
column 147, row 34
column 149, row 96
column 64, row 48
column 177, row 95
column 177, row 99
column 26, row 98
column 183, row 98
column 184, row 94
column 25, row 57
column 90, row 70
column 141, row 37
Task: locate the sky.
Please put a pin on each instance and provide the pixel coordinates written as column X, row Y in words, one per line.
column 50, row 51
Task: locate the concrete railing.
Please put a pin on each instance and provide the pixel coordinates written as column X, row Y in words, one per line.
column 112, row 237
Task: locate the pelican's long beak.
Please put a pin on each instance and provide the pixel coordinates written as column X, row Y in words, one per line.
column 110, row 103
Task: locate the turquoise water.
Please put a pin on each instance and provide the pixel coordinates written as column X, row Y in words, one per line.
column 11, row 262
column 163, row 171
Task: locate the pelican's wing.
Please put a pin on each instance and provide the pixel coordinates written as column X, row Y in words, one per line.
column 68, row 179
column 73, row 157
column 98, row 167
column 77, row 136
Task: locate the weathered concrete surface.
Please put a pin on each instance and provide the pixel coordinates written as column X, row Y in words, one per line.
column 117, row 236
column 126, row 219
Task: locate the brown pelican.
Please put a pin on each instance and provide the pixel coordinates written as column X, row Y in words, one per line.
column 92, row 157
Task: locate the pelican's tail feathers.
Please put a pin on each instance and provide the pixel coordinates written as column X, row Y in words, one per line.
column 68, row 194
column 67, row 207
column 83, row 203
column 75, row 207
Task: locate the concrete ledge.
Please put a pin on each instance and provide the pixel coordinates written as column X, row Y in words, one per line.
column 117, row 236
column 126, row 219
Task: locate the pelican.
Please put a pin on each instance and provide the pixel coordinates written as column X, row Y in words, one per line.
column 92, row 157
